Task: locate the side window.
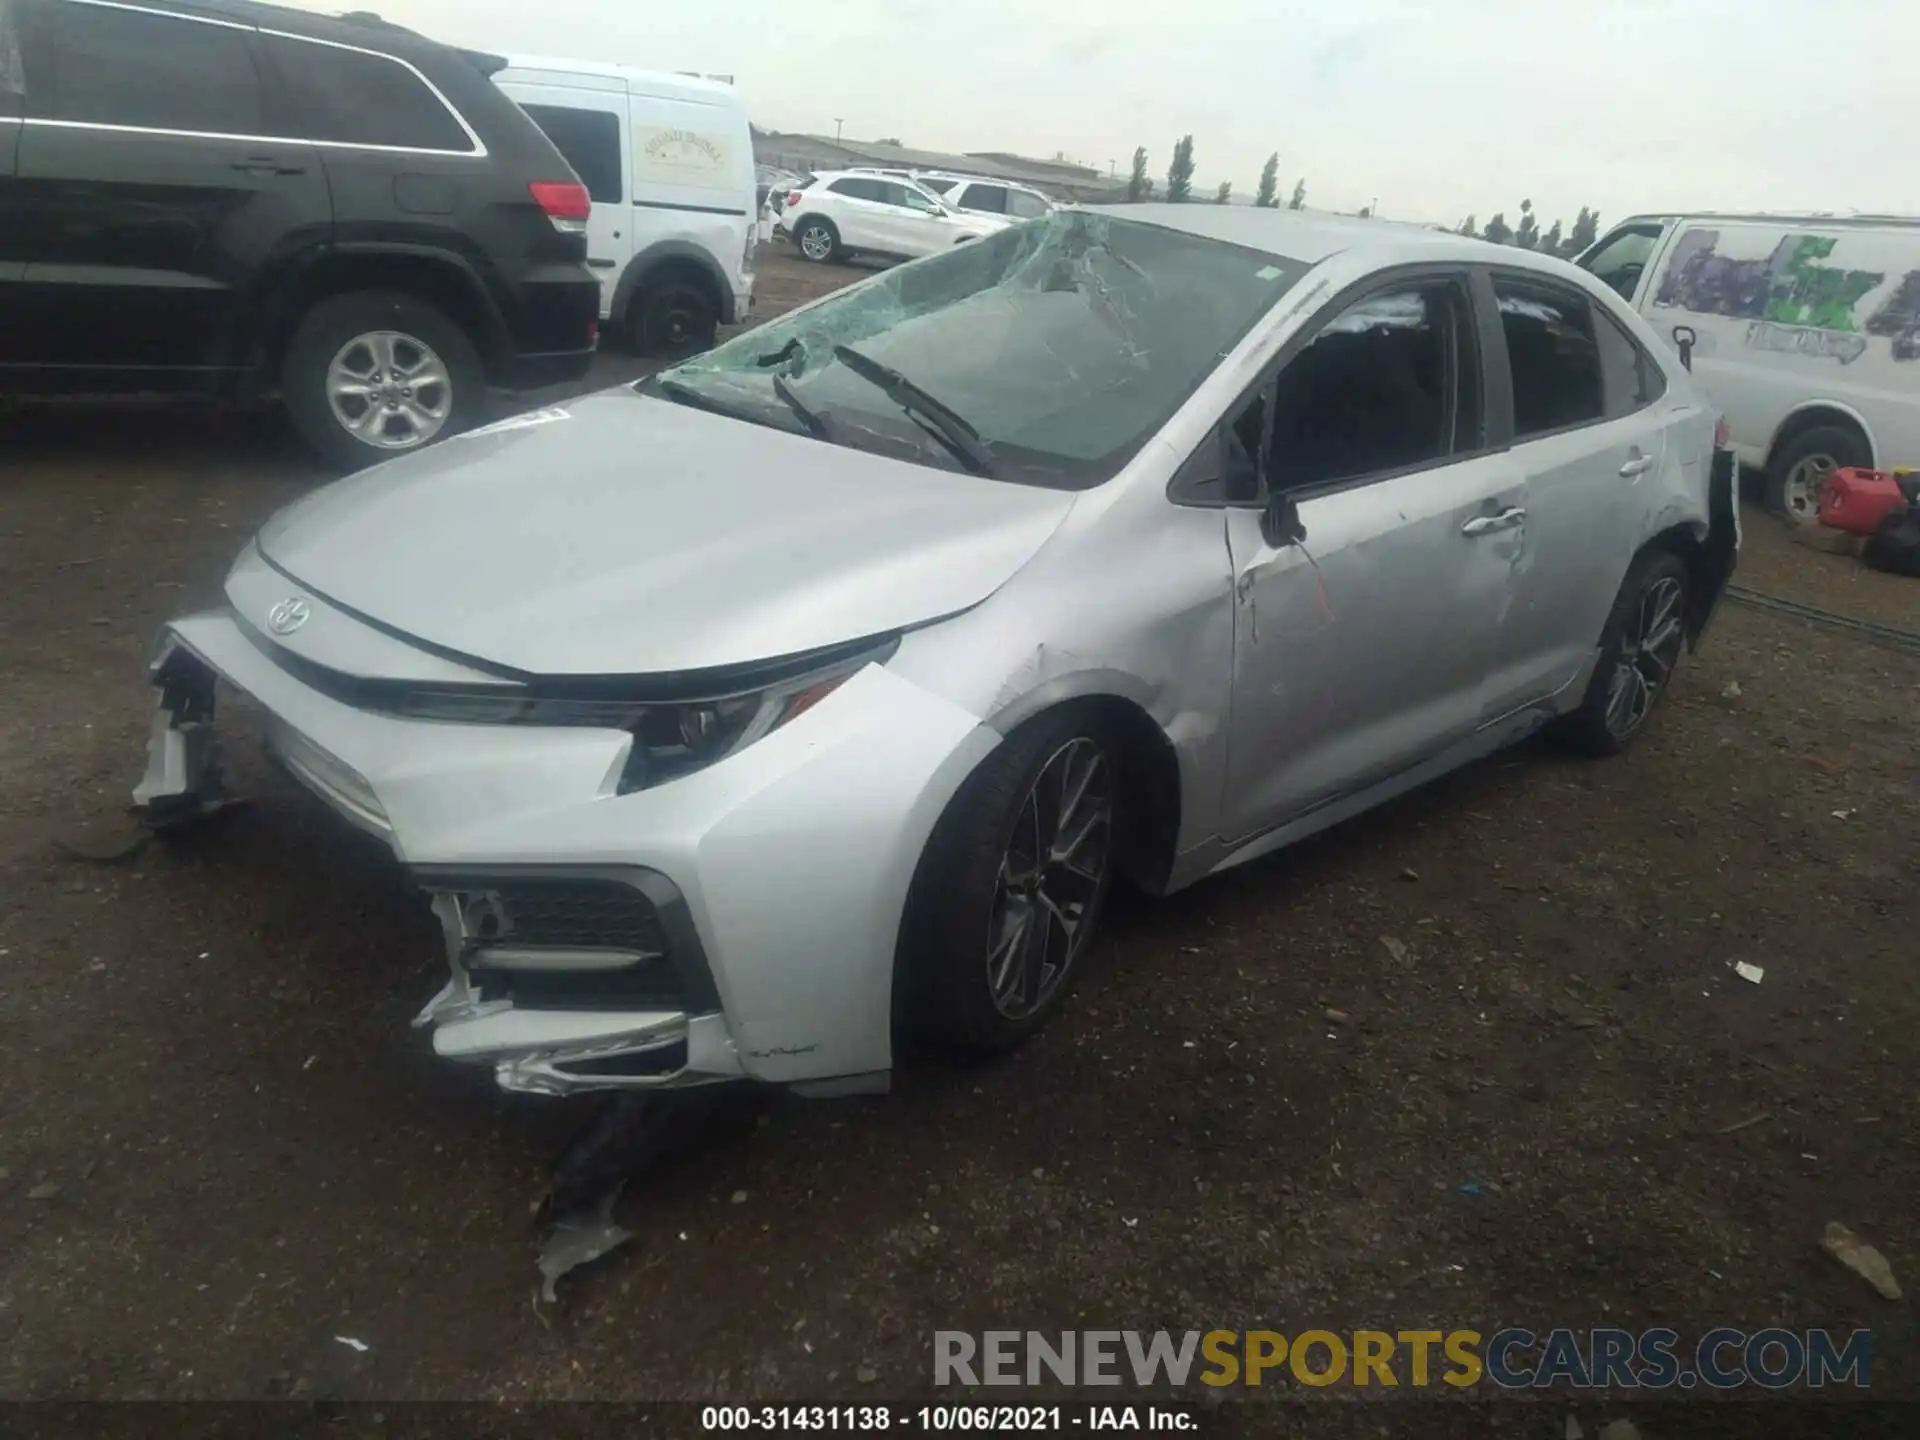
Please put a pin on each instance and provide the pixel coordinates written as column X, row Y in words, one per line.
column 1622, row 259
column 589, row 141
column 152, row 72
column 991, row 198
column 914, row 200
column 1027, row 207
column 1388, row 384
column 1632, row 378
column 355, row 97
column 1551, row 351
column 856, row 188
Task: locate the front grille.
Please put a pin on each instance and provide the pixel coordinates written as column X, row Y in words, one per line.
column 575, row 914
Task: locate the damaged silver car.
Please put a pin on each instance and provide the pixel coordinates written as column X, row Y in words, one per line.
column 739, row 721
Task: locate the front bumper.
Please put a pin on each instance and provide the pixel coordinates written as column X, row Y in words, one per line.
column 777, row 876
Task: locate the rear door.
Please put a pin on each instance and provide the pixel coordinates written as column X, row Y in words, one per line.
column 862, row 220
column 1589, row 442
column 153, row 191
column 589, row 129
column 914, row 220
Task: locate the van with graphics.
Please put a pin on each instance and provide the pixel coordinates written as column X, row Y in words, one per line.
column 1805, row 330
column 668, row 162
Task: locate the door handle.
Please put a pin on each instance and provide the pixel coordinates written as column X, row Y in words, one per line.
column 1638, row 464
column 601, row 264
column 1486, row 524
column 265, row 165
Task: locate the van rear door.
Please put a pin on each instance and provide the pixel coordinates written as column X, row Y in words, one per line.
column 589, row 128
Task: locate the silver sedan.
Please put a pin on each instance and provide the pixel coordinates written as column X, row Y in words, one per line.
column 819, row 689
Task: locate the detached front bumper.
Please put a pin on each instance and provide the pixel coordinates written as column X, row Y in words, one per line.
column 736, row 923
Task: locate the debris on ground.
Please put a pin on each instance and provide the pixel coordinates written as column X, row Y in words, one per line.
column 1732, row 692
column 1738, row 1125
column 1749, row 973
column 1861, row 1258
column 1338, row 1017
column 1573, row 1430
column 578, row 1239
column 47, row 1191
column 1820, row 762
column 739, row 1197
column 1845, row 814
column 1473, row 1188
column 1409, row 873
column 104, row 842
column 866, row 1374
column 359, row 1347
column 1396, row 948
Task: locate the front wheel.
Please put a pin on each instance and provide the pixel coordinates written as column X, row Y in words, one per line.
column 1639, row 649
column 371, row 375
column 1011, row 887
column 674, row 321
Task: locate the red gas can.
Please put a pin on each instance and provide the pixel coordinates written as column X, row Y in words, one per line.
column 1854, row 500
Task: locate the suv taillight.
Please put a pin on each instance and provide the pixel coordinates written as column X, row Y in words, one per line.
column 565, row 202
column 1722, row 434
column 793, row 198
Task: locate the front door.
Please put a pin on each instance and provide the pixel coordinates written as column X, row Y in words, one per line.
column 1361, row 647
column 150, row 195
column 914, row 221
column 589, row 129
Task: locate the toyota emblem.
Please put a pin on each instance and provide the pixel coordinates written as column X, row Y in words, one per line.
column 288, row 616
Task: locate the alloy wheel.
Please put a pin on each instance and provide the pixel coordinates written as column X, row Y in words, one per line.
column 1051, row 878
column 1806, row 482
column 1649, row 649
column 389, row 390
column 815, row 242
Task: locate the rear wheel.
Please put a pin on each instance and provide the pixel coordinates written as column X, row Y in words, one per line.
column 1012, row 885
column 1800, row 470
column 1639, row 649
column 371, row 375
column 818, row 240
column 674, row 319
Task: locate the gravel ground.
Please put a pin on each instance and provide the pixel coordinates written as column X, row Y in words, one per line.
column 208, row 1052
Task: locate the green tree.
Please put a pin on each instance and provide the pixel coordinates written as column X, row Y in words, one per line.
column 1224, row 195
column 1180, row 172
column 1139, row 187
column 1467, row 227
column 1366, row 212
column 1299, row 200
column 1586, row 229
column 1550, row 242
column 1527, row 236
column 1267, row 196
column 893, row 140
column 1497, row 229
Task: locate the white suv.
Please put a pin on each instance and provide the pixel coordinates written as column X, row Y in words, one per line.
column 977, row 196
column 844, row 211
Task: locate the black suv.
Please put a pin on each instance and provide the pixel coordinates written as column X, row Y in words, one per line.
column 235, row 199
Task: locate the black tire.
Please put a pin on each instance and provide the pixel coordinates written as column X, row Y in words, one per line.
column 330, row 326
column 673, row 319
column 1595, row 728
column 1833, row 447
column 820, row 226
column 947, row 935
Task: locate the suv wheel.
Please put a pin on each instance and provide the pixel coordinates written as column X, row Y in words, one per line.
column 673, row 320
column 368, row 376
column 817, row 239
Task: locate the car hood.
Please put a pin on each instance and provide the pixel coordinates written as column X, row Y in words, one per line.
column 623, row 534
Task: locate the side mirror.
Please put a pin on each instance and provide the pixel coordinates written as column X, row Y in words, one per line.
column 1280, row 523
column 1684, row 340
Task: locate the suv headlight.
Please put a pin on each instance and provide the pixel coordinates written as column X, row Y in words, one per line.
column 671, row 738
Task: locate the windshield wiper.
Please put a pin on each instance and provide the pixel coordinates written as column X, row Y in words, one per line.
column 815, row 422
column 952, row 428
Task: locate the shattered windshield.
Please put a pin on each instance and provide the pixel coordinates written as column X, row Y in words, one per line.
column 1047, row 354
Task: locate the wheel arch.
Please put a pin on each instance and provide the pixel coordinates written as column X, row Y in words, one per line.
column 673, row 257
column 436, row 277
column 1810, row 415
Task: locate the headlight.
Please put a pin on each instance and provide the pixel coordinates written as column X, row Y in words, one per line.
column 671, row 738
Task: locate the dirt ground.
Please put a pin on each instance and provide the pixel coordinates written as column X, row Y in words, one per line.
column 1550, row 1100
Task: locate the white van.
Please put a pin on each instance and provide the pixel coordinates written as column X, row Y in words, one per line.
column 668, row 161
column 1805, row 330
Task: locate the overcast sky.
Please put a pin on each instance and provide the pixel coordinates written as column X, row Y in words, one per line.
column 1438, row 109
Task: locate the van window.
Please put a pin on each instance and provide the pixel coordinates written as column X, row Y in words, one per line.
column 1027, row 207
column 1632, row 378
column 589, row 141
column 128, row 67
column 355, row 97
column 1551, row 352
column 1622, row 258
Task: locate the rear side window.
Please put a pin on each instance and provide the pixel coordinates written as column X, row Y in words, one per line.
column 152, row 72
column 935, row 184
column 856, row 188
column 589, row 141
column 991, row 198
column 1551, row 350
column 1633, row 381
column 1027, row 207
column 355, row 97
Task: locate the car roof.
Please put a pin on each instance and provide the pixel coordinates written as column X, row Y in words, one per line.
column 662, row 84
column 362, row 26
column 1800, row 217
column 1310, row 236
